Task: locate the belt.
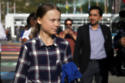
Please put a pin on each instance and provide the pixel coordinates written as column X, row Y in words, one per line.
column 94, row 61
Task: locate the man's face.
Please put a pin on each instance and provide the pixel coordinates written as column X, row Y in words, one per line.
column 94, row 16
column 123, row 41
column 68, row 24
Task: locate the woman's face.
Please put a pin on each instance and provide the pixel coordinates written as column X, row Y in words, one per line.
column 50, row 21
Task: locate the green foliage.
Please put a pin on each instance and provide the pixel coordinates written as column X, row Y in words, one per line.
column 100, row 4
column 28, row 6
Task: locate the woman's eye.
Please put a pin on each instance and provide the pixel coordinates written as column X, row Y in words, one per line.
column 52, row 20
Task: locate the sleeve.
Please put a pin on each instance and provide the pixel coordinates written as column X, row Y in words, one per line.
column 68, row 55
column 77, row 49
column 111, row 43
column 26, row 34
column 111, row 59
column 116, row 43
column 22, row 65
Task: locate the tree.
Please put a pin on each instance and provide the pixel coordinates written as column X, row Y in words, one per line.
column 100, row 4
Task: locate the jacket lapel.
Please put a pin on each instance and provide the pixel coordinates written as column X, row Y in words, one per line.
column 104, row 32
column 87, row 36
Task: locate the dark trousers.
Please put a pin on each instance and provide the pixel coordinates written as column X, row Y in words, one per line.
column 93, row 73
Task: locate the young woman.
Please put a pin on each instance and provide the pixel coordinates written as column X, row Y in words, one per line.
column 41, row 58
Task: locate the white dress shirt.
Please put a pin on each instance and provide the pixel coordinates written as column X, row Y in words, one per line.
column 26, row 34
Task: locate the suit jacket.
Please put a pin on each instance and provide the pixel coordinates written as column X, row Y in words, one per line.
column 83, row 48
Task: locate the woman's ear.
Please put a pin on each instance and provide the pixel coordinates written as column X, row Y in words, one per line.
column 39, row 21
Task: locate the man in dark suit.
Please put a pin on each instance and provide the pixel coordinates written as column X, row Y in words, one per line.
column 93, row 49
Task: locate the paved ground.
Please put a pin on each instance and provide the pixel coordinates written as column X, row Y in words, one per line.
column 10, row 67
column 115, row 79
column 112, row 79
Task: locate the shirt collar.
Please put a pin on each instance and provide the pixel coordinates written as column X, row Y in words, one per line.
column 43, row 44
column 90, row 27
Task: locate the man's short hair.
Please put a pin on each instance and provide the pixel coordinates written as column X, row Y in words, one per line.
column 68, row 19
column 97, row 8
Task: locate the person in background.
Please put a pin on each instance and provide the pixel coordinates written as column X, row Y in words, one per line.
column 121, row 29
column 21, row 31
column 2, row 32
column 2, row 35
column 122, row 39
column 41, row 58
column 8, row 33
column 69, row 34
column 31, row 22
column 119, row 47
column 58, row 31
column 93, row 49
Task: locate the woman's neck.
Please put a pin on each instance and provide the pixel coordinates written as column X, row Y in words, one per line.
column 46, row 38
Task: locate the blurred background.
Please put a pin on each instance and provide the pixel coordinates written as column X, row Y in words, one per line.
column 66, row 6
column 13, row 13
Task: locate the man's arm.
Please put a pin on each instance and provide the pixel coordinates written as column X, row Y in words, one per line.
column 77, row 49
